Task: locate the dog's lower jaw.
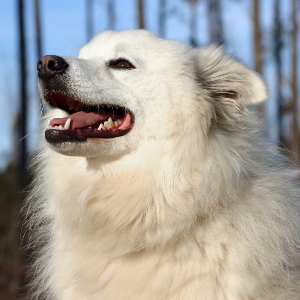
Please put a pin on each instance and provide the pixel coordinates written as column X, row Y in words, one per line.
column 93, row 147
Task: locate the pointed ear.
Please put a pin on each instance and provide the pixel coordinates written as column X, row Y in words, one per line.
column 227, row 80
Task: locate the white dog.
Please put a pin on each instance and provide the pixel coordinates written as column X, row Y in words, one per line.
column 153, row 181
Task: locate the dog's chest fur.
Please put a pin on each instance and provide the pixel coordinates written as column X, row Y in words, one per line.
column 99, row 245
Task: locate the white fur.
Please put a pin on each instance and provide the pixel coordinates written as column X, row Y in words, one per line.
column 191, row 204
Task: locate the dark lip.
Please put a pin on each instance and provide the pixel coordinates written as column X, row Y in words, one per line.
column 55, row 136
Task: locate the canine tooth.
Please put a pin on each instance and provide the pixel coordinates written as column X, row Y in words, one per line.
column 67, row 124
column 119, row 122
column 106, row 124
column 101, row 126
column 110, row 123
column 116, row 123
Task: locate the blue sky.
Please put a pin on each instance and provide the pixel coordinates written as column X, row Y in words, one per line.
column 64, row 32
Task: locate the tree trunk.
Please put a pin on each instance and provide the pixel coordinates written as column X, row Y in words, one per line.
column 38, row 28
column 193, row 23
column 294, row 125
column 38, row 41
column 14, row 159
column 257, row 44
column 215, row 22
column 141, row 14
column 162, row 18
column 278, row 44
column 111, row 14
column 23, row 89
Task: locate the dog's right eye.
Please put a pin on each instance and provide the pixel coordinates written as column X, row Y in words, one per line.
column 120, row 64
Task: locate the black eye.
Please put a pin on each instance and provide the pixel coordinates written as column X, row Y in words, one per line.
column 121, row 64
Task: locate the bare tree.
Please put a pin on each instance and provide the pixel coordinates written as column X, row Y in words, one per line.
column 141, row 24
column 278, row 45
column 89, row 19
column 257, row 43
column 193, row 22
column 14, row 159
column 215, row 22
column 23, row 88
column 294, row 80
column 162, row 18
column 37, row 28
column 111, row 14
column 257, row 36
column 38, row 40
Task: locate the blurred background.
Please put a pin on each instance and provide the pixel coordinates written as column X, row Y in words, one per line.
column 263, row 34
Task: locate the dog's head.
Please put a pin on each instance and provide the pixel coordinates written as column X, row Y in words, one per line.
column 128, row 88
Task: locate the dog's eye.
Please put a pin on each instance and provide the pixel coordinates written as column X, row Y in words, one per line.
column 121, row 64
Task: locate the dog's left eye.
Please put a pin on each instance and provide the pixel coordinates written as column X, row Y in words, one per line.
column 121, row 64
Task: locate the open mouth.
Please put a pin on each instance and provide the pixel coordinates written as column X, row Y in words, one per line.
column 86, row 121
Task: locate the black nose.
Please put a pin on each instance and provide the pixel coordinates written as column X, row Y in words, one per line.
column 50, row 65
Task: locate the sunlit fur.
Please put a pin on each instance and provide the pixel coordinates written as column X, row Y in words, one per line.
column 192, row 204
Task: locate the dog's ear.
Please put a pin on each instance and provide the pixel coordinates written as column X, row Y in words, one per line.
column 226, row 80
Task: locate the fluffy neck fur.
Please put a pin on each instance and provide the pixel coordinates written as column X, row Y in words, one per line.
column 130, row 221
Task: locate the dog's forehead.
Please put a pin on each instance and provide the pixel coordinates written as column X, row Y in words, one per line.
column 109, row 44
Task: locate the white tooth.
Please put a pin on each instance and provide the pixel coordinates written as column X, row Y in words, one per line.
column 119, row 122
column 116, row 123
column 56, row 127
column 101, row 126
column 67, row 124
column 60, row 127
column 110, row 123
column 106, row 125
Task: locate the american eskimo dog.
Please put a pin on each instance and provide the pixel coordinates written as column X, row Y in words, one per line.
column 153, row 180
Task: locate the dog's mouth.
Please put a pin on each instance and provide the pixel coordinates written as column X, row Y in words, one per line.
column 86, row 121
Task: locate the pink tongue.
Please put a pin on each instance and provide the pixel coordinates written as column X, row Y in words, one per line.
column 82, row 119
